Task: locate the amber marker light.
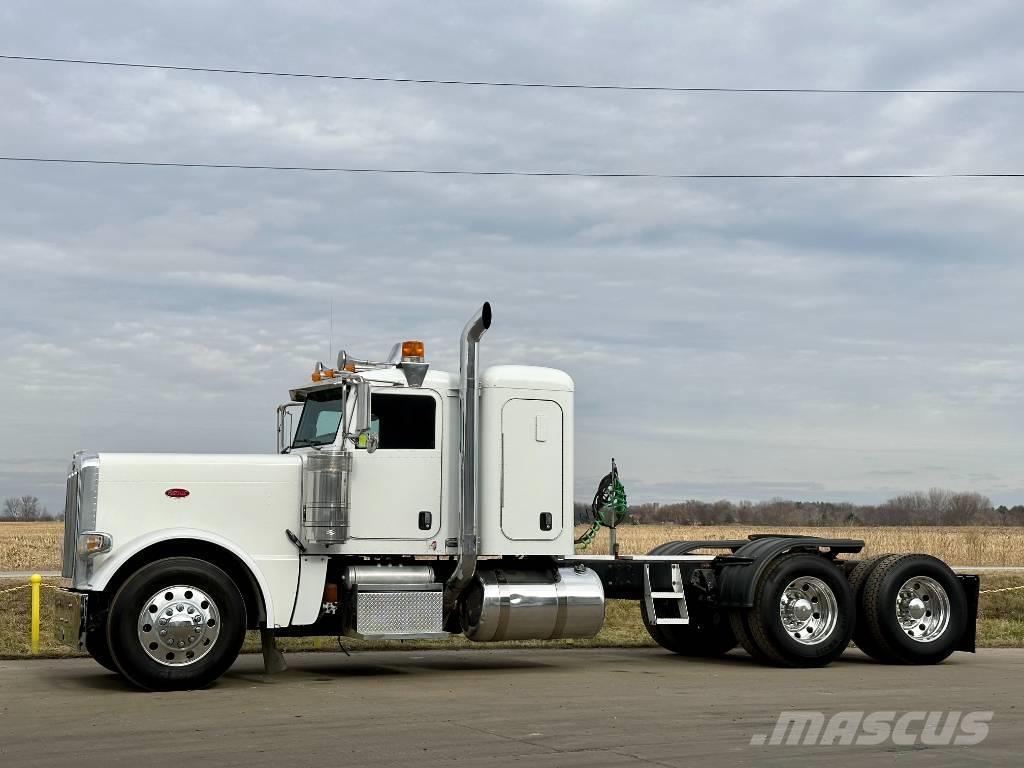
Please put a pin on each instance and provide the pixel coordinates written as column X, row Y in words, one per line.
column 412, row 351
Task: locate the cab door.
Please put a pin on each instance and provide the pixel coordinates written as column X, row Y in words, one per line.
column 532, row 474
column 396, row 490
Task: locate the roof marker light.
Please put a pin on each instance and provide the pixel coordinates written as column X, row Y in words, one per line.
column 412, row 352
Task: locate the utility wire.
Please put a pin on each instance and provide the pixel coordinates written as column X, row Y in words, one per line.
column 516, row 84
column 542, row 174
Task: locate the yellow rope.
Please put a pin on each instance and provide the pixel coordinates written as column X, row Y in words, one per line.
column 1001, row 589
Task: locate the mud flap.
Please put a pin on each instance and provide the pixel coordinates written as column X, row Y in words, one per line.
column 972, row 587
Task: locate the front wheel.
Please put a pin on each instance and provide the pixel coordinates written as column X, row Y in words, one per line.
column 96, row 645
column 176, row 624
column 802, row 616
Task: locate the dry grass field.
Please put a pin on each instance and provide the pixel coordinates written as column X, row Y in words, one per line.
column 28, row 546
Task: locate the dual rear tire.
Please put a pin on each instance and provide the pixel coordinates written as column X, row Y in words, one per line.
column 911, row 609
column 707, row 635
column 898, row 609
column 803, row 613
column 802, row 616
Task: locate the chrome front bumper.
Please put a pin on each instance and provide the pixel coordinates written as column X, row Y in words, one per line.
column 71, row 609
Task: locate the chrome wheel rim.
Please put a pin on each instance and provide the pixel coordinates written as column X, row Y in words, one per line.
column 809, row 610
column 922, row 609
column 178, row 626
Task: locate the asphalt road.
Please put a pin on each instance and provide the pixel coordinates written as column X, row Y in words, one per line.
column 533, row 708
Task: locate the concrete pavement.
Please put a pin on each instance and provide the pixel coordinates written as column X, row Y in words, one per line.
column 529, row 707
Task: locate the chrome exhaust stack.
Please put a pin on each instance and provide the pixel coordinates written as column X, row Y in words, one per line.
column 469, row 400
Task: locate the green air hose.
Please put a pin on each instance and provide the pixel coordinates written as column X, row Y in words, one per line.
column 608, row 508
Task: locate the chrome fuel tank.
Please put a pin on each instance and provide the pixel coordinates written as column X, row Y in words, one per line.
column 533, row 605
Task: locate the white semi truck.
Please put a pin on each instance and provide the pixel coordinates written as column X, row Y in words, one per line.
column 412, row 503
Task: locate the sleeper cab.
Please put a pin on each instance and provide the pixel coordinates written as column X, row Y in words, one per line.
column 526, row 461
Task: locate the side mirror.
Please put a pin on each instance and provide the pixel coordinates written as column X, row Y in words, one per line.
column 362, row 418
column 362, row 421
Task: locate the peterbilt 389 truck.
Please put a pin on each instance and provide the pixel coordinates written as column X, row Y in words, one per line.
column 409, row 503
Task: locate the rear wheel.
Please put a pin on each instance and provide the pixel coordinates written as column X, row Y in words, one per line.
column 176, row 624
column 708, row 634
column 915, row 610
column 858, row 575
column 802, row 614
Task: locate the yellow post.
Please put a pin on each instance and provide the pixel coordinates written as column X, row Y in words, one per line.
column 34, row 580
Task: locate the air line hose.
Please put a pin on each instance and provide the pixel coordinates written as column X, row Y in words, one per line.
column 608, row 508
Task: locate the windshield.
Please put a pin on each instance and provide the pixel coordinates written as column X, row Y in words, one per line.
column 320, row 419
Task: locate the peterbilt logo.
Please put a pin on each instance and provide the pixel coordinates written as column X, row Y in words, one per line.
column 176, row 493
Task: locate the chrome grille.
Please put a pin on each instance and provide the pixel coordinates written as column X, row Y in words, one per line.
column 80, row 507
column 70, row 524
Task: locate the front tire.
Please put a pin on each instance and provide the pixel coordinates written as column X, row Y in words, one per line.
column 176, row 624
column 96, row 645
column 803, row 613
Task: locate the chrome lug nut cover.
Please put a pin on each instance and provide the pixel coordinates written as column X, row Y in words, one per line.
column 809, row 610
column 922, row 609
column 184, row 624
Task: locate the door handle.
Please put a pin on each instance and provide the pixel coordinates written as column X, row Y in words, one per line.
column 545, row 521
column 425, row 519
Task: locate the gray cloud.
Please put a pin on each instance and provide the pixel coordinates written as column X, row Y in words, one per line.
column 739, row 339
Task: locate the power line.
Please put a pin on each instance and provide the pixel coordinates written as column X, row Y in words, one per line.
column 532, row 174
column 517, row 84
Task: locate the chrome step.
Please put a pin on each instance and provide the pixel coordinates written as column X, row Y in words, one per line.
column 676, row 596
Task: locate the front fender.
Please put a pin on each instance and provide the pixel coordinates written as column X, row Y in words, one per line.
column 276, row 576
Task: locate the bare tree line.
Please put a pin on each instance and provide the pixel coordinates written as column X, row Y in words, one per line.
column 935, row 507
column 24, row 509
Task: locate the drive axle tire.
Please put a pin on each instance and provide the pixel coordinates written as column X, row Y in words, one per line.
column 914, row 610
column 803, row 613
column 707, row 635
column 858, row 572
column 176, row 624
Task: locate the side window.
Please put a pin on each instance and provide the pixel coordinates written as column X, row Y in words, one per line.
column 403, row 422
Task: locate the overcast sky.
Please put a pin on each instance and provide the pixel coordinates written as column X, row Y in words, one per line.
column 728, row 339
